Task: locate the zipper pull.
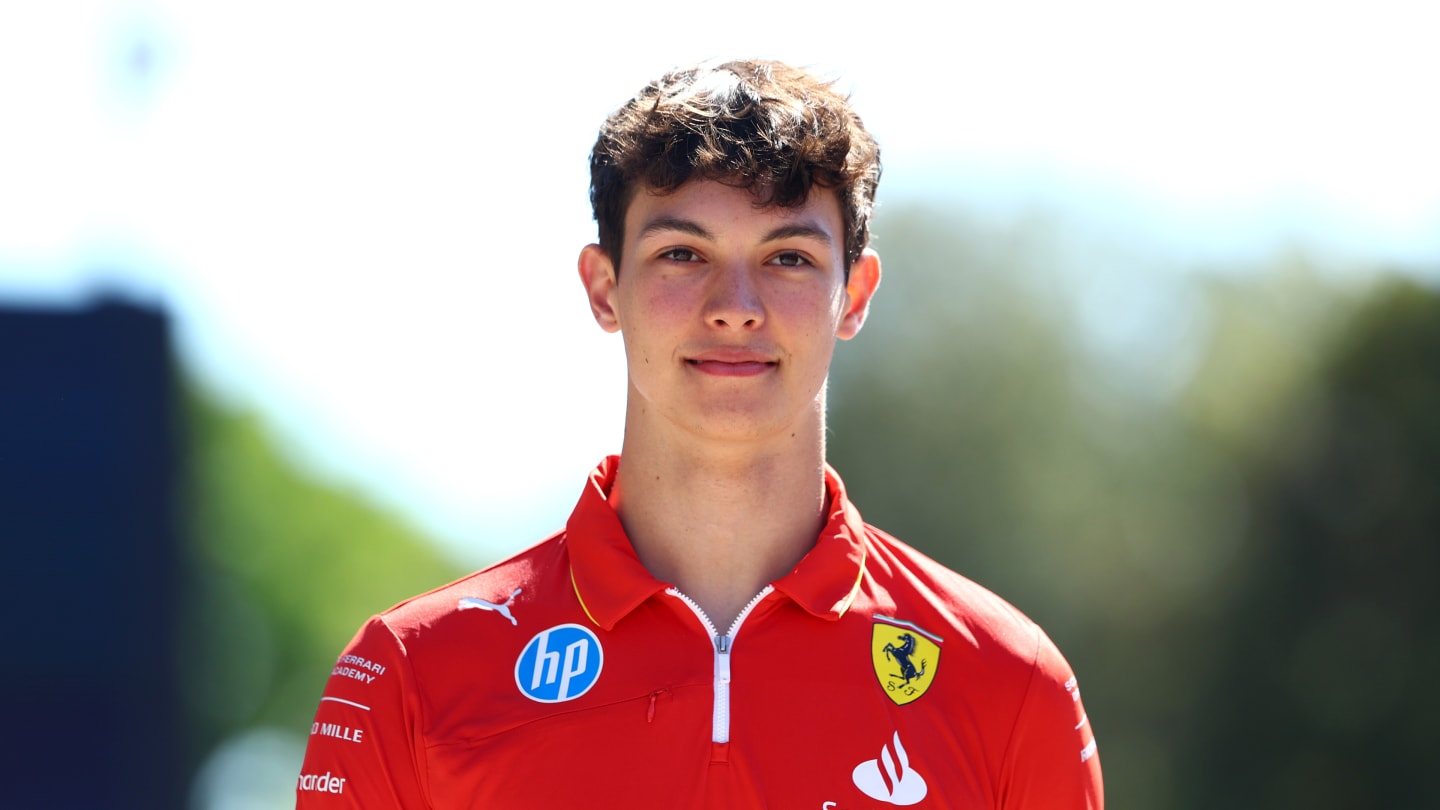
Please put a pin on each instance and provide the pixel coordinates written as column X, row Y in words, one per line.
column 722, row 659
column 650, row 713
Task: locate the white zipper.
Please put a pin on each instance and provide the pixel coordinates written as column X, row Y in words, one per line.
column 720, row 715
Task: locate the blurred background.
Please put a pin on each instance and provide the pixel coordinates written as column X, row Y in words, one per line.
column 290, row 331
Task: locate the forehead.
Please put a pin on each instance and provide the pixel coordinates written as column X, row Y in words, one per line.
column 710, row 208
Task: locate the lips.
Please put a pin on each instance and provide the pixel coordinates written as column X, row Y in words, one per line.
column 731, row 362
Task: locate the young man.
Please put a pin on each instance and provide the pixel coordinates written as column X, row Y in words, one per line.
column 715, row 626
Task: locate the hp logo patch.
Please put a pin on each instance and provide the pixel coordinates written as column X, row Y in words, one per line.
column 559, row 664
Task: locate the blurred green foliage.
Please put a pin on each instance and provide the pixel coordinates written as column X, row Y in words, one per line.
column 1326, row 641
column 1218, row 489
column 284, row 569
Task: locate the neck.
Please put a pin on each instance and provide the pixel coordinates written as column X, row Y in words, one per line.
column 721, row 521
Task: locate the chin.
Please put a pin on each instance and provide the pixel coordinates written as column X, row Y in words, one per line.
column 738, row 424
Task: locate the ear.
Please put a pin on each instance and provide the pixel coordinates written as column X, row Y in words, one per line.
column 860, row 288
column 597, row 273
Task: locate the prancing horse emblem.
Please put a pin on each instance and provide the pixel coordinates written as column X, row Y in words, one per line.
column 502, row 609
column 896, row 644
column 902, row 657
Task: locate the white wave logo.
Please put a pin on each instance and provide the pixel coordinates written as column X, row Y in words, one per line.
column 889, row 778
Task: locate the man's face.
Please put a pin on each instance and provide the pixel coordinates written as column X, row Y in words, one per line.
column 729, row 311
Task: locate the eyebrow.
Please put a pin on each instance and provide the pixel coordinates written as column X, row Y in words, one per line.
column 668, row 223
column 803, row 230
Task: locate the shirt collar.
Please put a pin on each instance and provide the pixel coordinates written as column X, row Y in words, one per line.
column 610, row 580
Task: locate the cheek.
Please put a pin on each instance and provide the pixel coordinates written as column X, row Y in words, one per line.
column 662, row 299
column 651, row 326
column 642, row 308
column 811, row 315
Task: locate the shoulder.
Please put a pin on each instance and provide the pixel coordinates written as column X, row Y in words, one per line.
column 472, row 627
column 1002, row 651
column 452, row 625
column 992, row 666
column 500, row 588
column 410, row 675
column 912, row 577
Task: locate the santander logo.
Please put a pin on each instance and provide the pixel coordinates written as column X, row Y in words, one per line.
column 889, row 778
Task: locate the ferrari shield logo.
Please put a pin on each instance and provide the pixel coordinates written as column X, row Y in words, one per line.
column 905, row 658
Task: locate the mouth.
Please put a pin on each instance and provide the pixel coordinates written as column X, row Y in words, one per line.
column 728, row 363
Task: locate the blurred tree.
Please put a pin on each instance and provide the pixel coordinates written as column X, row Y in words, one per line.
column 1318, row 697
column 284, row 570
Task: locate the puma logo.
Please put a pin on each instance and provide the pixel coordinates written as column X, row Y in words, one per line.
column 502, row 609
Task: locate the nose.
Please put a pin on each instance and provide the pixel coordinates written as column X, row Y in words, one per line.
column 734, row 299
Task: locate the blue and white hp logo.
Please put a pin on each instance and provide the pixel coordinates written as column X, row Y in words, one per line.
column 559, row 664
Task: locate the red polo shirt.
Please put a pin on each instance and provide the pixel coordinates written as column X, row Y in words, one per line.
column 568, row 676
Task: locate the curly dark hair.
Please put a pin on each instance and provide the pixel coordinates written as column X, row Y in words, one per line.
column 760, row 125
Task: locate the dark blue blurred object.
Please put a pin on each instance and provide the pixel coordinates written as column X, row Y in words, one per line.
column 89, row 559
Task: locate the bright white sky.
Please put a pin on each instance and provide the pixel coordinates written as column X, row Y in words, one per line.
column 364, row 217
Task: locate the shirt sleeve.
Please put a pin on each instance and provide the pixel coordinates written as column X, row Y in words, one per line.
column 1052, row 762
column 366, row 745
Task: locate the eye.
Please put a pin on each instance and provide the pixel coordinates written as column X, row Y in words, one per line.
column 791, row 258
column 680, row 254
